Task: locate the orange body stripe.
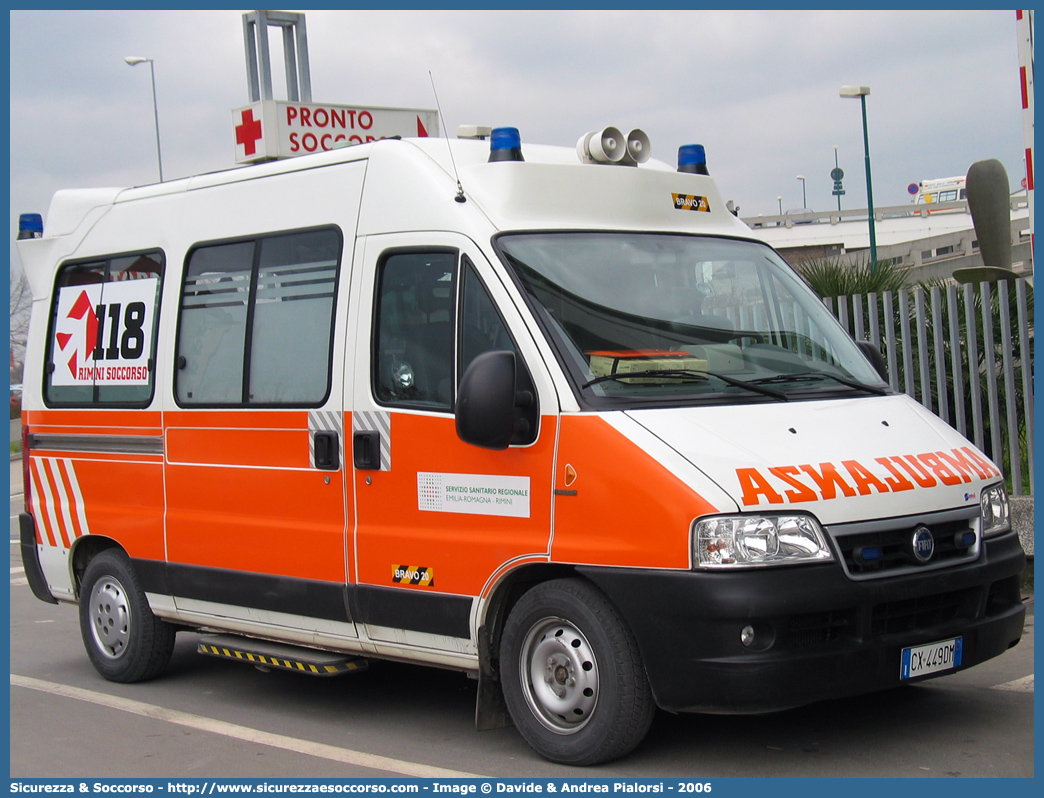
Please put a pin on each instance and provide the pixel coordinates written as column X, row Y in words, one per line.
column 629, row 509
column 120, row 421
column 41, row 497
column 239, row 447
column 60, row 499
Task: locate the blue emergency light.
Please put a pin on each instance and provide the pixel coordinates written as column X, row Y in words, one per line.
column 505, row 144
column 30, row 225
column 692, row 159
column 868, row 554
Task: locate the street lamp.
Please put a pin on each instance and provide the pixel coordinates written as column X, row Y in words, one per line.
column 861, row 92
column 780, row 201
column 804, row 201
column 134, row 60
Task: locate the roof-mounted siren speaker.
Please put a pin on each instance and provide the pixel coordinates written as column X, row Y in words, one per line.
column 638, row 148
column 607, row 145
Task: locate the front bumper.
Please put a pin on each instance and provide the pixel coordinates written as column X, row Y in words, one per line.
column 818, row 634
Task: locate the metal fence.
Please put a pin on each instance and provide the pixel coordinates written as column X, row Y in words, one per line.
column 964, row 352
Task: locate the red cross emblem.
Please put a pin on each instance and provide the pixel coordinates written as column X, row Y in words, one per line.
column 81, row 309
column 248, row 132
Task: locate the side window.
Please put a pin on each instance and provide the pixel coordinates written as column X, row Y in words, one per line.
column 482, row 329
column 256, row 321
column 432, row 319
column 102, row 345
column 212, row 324
column 293, row 319
column 414, row 329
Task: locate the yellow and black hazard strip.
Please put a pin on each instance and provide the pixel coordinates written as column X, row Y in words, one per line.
column 288, row 658
column 413, row 575
column 689, row 202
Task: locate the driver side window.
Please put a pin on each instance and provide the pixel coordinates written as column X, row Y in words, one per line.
column 414, row 335
column 432, row 318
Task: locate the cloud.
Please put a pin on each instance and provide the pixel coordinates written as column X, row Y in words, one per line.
column 758, row 88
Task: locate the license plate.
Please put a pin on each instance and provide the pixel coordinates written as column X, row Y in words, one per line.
column 931, row 658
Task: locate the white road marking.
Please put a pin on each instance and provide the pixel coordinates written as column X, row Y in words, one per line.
column 1023, row 685
column 321, row 750
column 18, row 570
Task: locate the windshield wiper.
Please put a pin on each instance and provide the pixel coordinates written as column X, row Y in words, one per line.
column 688, row 374
column 814, row 376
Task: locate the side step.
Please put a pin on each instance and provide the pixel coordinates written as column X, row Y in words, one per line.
column 264, row 655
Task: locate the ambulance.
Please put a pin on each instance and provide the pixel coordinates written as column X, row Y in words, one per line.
column 943, row 189
column 552, row 417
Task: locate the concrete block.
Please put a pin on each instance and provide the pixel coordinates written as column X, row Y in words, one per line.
column 1022, row 521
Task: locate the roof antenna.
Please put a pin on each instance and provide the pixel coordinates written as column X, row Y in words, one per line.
column 460, row 189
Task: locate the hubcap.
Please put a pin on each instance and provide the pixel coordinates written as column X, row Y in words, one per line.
column 559, row 675
column 110, row 617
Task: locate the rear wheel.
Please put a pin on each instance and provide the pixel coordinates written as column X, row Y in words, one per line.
column 572, row 675
column 124, row 640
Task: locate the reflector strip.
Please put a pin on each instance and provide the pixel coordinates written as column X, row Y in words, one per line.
column 58, row 505
column 333, row 668
column 42, row 527
column 61, row 501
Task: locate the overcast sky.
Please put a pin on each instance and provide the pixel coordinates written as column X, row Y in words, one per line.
column 758, row 89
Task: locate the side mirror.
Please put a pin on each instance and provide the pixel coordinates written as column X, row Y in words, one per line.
column 485, row 409
column 873, row 354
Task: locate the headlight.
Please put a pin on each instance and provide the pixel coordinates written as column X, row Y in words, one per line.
column 738, row 541
column 996, row 515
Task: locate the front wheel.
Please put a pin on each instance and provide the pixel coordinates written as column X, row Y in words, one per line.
column 572, row 675
column 124, row 640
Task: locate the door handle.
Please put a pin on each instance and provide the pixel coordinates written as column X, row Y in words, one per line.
column 366, row 450
column 327, row 457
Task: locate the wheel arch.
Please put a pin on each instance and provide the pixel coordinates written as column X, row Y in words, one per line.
column 504, row 595
column 84, row 550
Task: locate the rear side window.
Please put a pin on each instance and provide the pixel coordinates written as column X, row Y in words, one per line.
column 102, row 346
column 256, row 321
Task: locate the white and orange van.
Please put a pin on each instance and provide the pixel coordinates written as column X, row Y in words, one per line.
column 553, row 417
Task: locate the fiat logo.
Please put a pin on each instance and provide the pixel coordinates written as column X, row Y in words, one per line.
column 923, row 544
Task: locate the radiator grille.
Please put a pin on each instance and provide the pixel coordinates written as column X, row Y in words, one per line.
column 879, row 549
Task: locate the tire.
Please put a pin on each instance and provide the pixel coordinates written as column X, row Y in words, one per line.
column 124, row 640
column 572, row 675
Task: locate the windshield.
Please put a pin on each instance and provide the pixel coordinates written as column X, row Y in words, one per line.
column 640, row 319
